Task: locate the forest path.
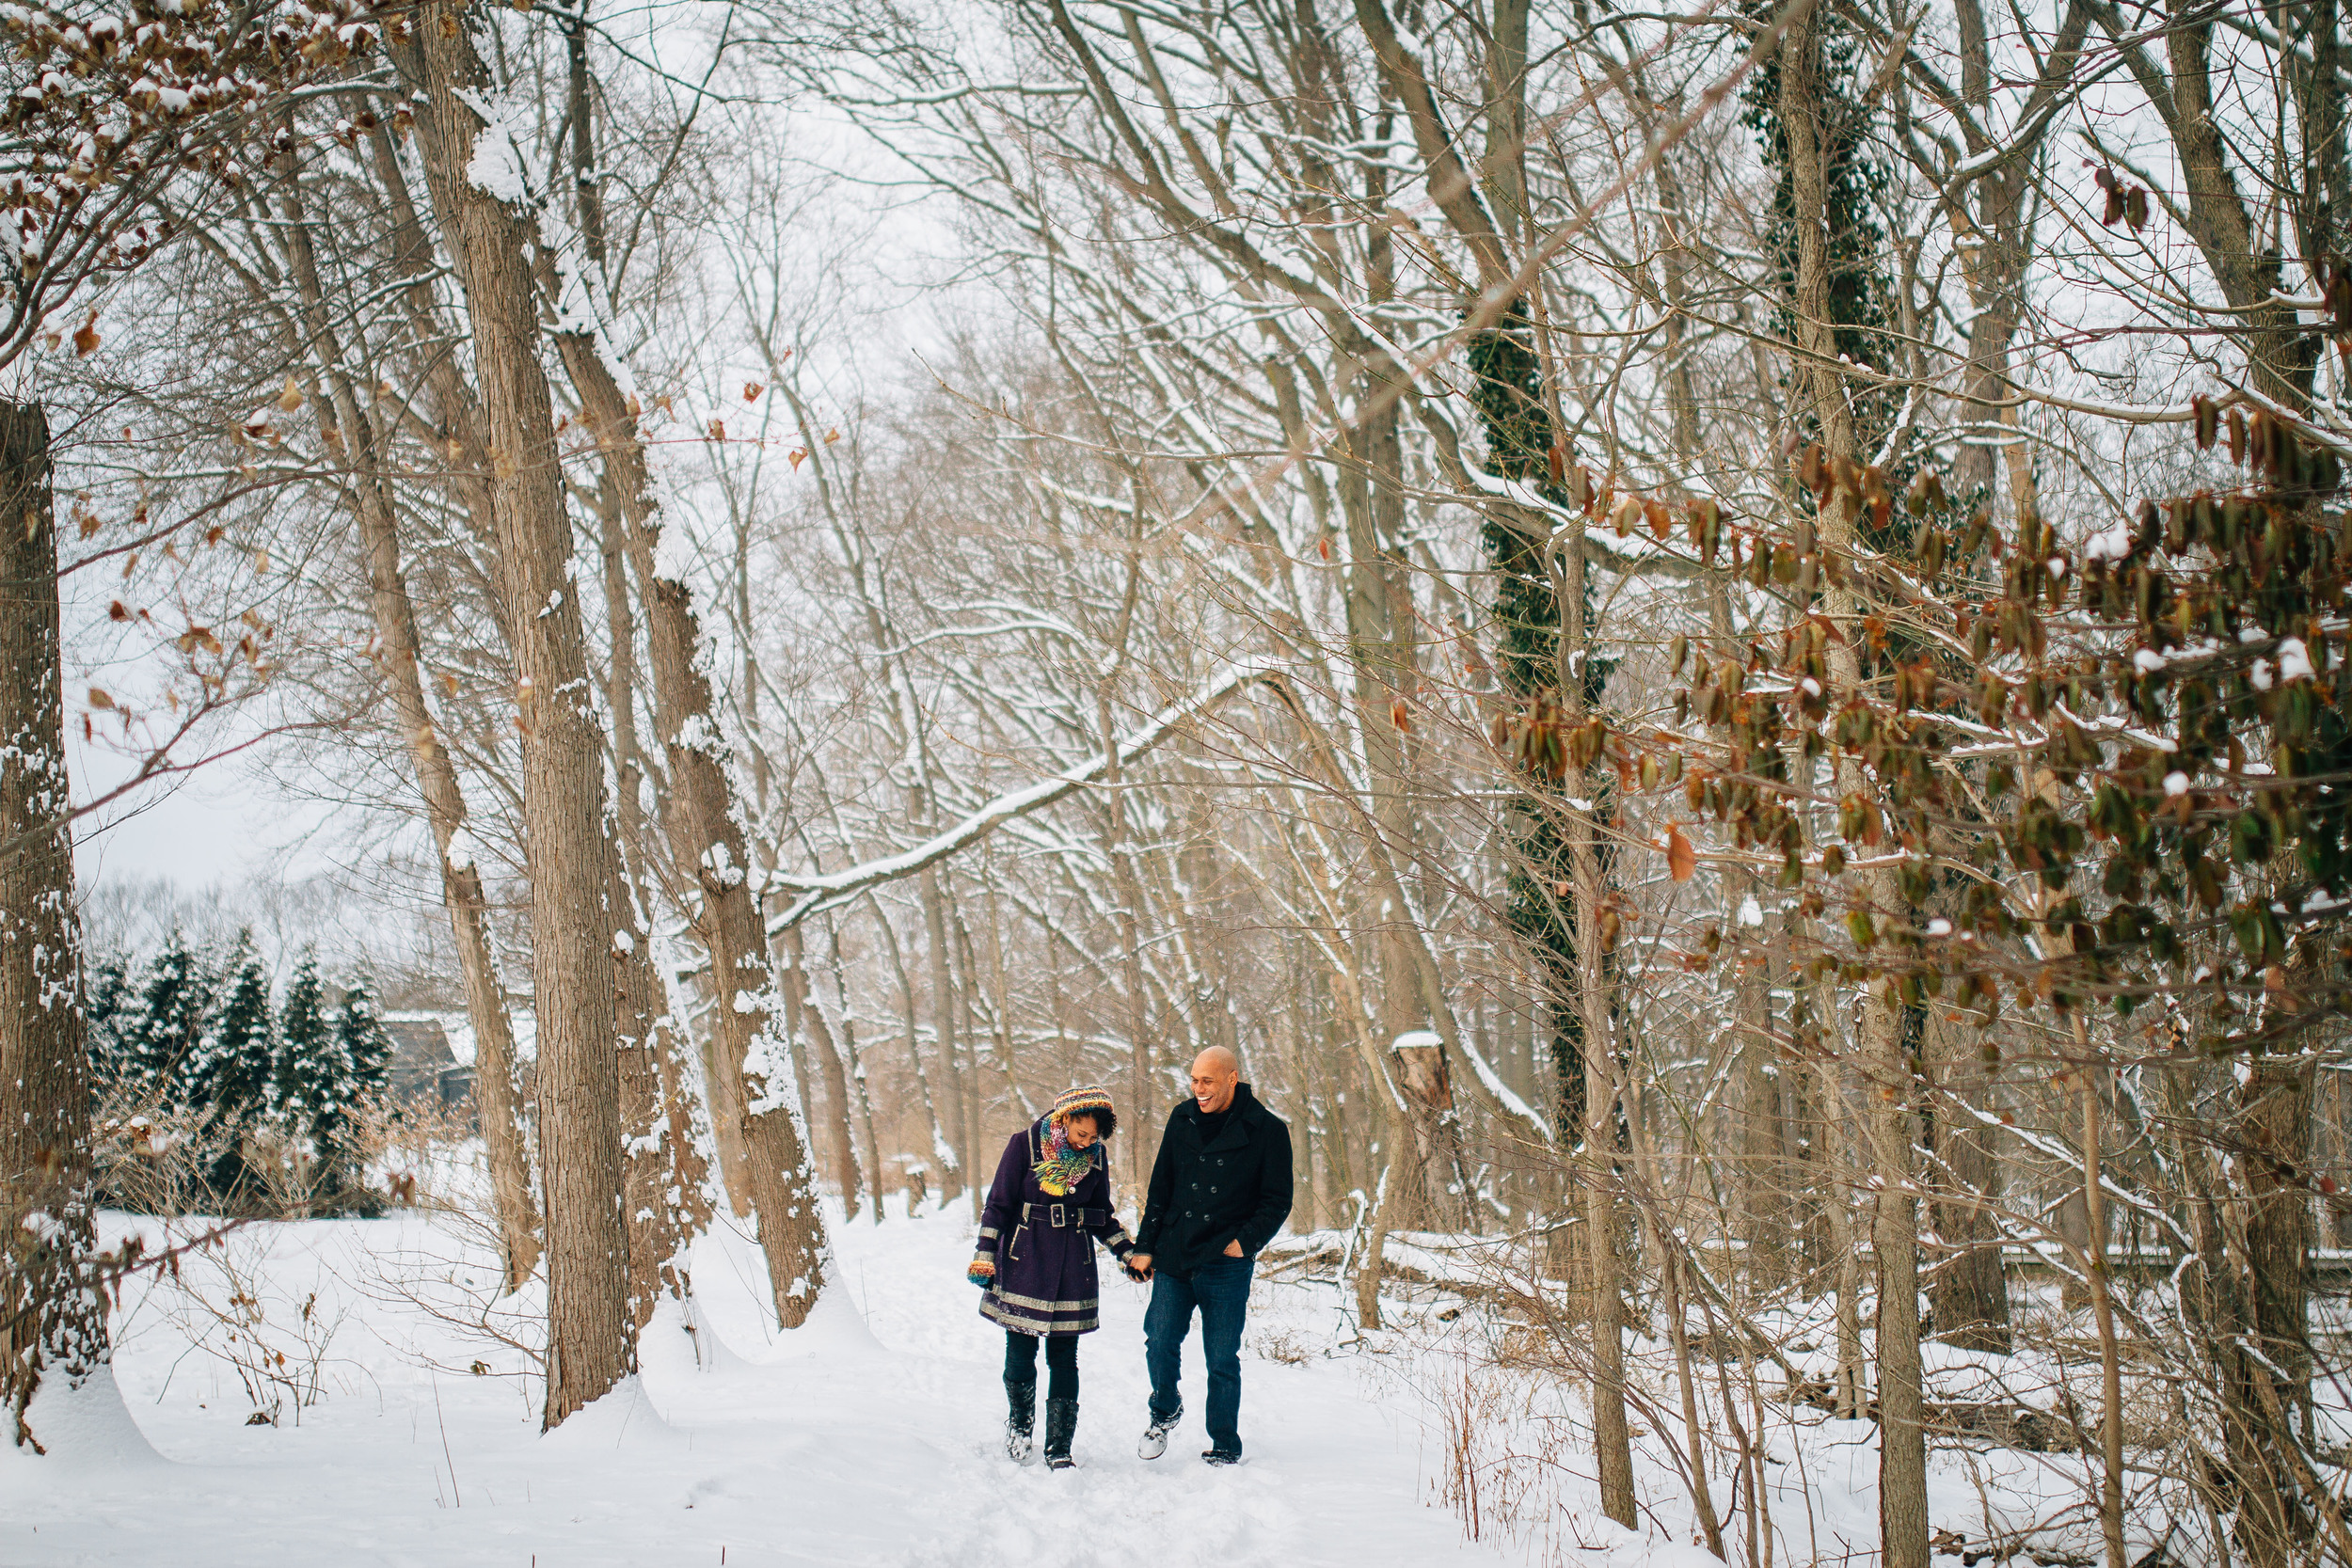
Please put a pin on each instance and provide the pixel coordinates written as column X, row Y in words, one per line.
column 869, row 1437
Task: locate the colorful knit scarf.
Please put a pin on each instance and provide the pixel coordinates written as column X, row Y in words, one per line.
column 1063, row 1167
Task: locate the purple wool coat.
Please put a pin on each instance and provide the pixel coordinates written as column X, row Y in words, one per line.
column 1042, row 1246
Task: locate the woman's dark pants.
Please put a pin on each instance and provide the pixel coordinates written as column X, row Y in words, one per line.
column 1061, row 1362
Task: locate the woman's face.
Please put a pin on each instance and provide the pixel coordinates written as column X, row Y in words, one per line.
column 1080, row 1131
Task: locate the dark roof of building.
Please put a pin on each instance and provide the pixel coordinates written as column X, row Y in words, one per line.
column 419, row 1044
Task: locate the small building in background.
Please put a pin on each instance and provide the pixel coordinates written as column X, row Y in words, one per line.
column 424, row 1073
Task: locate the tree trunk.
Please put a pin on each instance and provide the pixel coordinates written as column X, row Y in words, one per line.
column 967, row 1029
column 1763, row 1183
column 2267, row 1363
column 707, row 843
column 1888, row 1080
column 665, row 1181
column 857, row 1080
column 944, row 1027
column 496, row 1098
column 664, row 1176
column 803, row 998
column 1895, row 1241
column 1128, row 918
column 1612, row 1433
column 570, row 856
column 2111, row 1350
column 53, row 1318
column 699, row 810
column 1970, row 1291
column 1835, row 1162
column 937, row 1148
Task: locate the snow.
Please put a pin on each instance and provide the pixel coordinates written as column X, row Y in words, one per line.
column 869, row 1434
column 496, row 167
column 2110, row 544
column 866, row 1437
column 673, row 555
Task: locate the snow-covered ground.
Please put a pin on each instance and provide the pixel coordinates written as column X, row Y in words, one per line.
column 868, row 1437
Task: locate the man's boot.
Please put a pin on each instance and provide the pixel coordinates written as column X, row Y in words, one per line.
column 1155, row 1435
column 1061, row 1425
column 1019, row 1418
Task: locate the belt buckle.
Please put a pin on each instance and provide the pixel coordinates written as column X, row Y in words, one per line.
column 1060, row 1221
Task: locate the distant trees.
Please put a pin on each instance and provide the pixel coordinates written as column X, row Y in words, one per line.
column 197, row 1040
column 306, row 1040
column 234, row 1076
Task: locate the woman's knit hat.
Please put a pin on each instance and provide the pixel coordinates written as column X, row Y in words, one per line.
column 1089, row 1100
column 1061, row 1167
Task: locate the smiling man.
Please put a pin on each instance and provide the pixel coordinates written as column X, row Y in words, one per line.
column 1220, row 1189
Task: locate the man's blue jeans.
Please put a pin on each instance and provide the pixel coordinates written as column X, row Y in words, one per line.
column 1220, row 1290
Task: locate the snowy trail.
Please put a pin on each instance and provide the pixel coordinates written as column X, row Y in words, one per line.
column 862, row 1438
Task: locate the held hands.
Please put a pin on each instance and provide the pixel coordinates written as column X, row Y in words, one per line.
column 1138, row 1264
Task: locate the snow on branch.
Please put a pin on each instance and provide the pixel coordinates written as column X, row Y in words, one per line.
column 820, row 893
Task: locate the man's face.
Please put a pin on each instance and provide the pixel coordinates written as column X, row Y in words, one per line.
column 1212, row 1085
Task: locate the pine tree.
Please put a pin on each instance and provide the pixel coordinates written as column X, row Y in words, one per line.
column 111, row 1009
column 233, row 1074
column 163, row 1044
column 365, row 1047
column 236, row 1069
column 307, row 1078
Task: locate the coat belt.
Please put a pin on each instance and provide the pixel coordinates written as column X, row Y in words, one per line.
column 1061, row 1216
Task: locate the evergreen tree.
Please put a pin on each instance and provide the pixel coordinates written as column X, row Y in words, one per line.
column 163, row 1043
column 110, row 1006
column 237, row 1071
column 307, row 1079
column 365, row 1047
column 233, row 1075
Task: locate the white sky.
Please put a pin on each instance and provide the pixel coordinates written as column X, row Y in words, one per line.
column 223, row 823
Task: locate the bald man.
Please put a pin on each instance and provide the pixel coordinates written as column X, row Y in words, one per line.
column 1220, row 1189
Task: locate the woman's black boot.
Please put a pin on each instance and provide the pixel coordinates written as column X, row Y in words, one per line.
column 1020, row 1417
column 1061, row 1425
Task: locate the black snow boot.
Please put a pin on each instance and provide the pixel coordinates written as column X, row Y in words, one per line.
column 1019, row 1418
column 1061, row 1425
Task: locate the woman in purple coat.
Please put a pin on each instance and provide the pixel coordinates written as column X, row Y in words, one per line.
column 1050, row 1203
